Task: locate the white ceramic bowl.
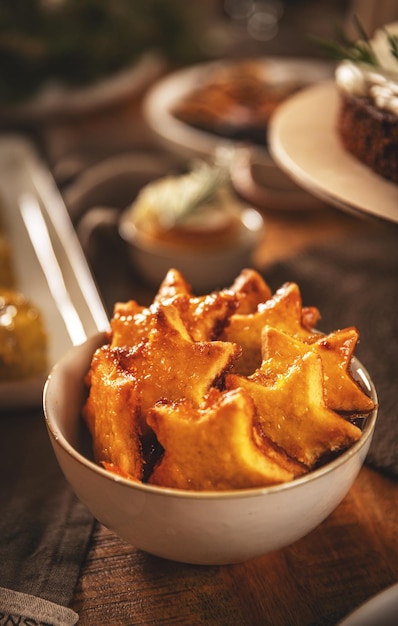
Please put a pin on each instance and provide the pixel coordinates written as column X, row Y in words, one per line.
column 191, row 527
column 99, row 197
column 205, row 268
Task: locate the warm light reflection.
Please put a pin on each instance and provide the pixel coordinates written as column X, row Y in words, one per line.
column 41, row 241
column 252, row 220
column 364, row 379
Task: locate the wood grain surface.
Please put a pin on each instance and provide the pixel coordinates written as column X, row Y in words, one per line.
column 351, row 556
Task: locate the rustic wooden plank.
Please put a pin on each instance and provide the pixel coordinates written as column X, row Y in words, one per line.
column 318, row 580
column 121, row 585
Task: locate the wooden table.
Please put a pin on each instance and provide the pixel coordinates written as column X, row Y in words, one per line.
column 318, row 580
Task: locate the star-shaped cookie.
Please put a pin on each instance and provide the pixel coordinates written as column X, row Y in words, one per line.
column 170, row 363
column 251, row 290
column 284, row 311
column 342, row 392
column 125, row 382
column 130, row 323
column 111, row 413
column 204, row 317
column 173, row 284
column 292, row 411
column 213, row 446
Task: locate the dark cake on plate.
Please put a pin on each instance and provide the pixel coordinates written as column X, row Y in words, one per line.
column 367, row 122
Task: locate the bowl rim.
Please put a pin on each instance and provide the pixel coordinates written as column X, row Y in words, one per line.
column 184, row 494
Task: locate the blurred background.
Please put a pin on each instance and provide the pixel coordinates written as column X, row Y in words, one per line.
column 48, row 47
column 74, row 73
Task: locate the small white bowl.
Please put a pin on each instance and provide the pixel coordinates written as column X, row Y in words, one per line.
column 205, row 268
column 191, row 527
column 101, row 199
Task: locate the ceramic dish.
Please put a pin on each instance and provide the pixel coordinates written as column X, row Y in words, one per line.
column 205, row 268
column 304, row 143
column 187, row 141
column 382, row 610
column 49, row 264
column 100, row 199
column 195, row 527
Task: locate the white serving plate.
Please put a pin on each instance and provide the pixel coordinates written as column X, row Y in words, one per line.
column 305, row 144
column 166, row 93
column 50, row 266
column 261, row 182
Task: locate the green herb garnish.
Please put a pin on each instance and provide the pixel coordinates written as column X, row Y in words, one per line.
column 192, row 191
column 359, row 51
column 174, row 199
column 393, row 41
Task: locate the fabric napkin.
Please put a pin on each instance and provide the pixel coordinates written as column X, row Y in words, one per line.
column 354, row 282
column 44, row 529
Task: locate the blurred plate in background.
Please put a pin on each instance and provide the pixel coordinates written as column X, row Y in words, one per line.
column 305, row 144
column 188, row 141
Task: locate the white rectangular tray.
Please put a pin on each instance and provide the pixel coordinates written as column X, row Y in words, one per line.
column 49, row 263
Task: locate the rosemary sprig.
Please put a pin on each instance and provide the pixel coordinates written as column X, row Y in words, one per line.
column 393, row 41
column 170, row 201
column 359, row 51
column 198, row 187
column 361, row 31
